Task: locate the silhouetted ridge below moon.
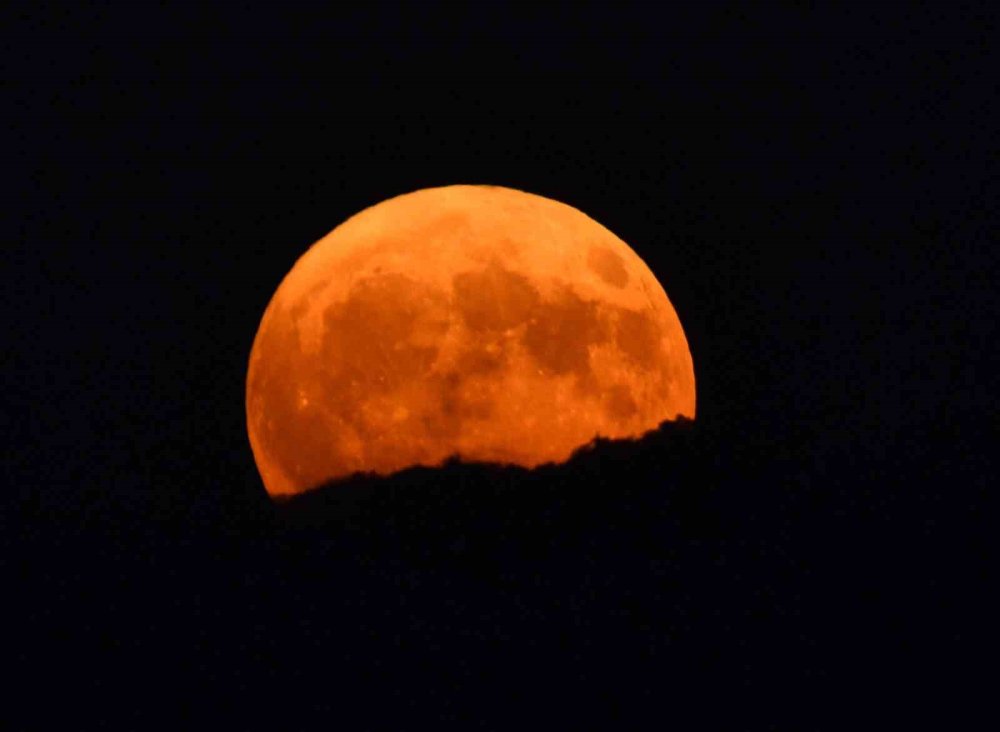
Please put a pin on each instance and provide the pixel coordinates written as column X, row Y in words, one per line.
column 628, row 481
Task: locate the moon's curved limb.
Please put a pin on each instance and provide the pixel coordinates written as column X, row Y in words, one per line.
column 471, row 320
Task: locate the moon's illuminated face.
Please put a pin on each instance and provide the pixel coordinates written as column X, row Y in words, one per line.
column 476, row 321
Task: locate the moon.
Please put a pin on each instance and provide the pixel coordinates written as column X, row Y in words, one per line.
column 474, row 321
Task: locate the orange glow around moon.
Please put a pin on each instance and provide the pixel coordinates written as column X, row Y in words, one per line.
column 476, row 321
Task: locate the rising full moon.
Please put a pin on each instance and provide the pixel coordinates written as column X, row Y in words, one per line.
column 473, row 321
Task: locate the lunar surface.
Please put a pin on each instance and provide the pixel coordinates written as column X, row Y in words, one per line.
column 476, row 321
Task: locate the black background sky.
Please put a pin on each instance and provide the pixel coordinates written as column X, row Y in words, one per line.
column 811, row 188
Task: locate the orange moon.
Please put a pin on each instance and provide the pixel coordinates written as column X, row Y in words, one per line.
column 477, row 321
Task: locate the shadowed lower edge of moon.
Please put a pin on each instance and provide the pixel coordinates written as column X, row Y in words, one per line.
column 406, row 374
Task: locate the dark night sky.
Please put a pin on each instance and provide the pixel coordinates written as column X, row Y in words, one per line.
column 810, row 188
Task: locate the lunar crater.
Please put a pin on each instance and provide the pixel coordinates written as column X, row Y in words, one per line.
column 608, row 265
